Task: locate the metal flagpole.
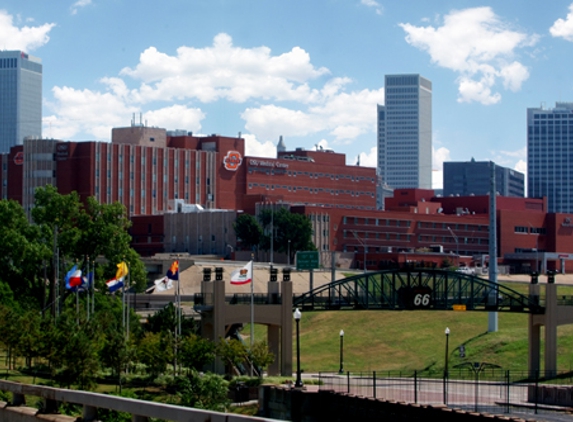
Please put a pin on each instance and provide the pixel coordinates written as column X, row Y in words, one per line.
column 252, row 308
column 122, row 307
column 127, row 313
column 178, row 300
column 178, row 328
column 88, row 288
column 93, row 289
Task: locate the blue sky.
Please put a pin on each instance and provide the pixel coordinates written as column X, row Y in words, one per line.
column 311, row 71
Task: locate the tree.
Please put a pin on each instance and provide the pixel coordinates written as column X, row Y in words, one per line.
column 208, row 391
column 248, row 230
column 232, row 351
column 261, row 356
column 88, row 230
column 292, row 232
column 21, row 253
column 196, row 352
column 155, row 352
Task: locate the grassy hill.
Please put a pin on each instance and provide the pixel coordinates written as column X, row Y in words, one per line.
column 409, row 340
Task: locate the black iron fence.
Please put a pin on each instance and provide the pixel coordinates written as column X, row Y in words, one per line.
column 475, row 388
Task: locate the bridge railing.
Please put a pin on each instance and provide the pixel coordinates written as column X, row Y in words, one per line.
column 206, row 299
column 139, row 409
column 478, row 389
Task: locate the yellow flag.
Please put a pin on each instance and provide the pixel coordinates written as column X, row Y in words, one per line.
column 121, row 270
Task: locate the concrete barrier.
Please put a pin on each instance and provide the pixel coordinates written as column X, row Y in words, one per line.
column 140, row 410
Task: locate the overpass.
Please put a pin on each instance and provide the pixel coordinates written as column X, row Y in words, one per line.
column 395, row 289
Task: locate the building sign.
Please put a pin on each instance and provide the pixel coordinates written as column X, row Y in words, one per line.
column 62, row 151
column 19, row 158
column 232, row 160
column 566, row 222
column 267, row 163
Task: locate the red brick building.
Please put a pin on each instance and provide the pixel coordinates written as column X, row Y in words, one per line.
column 153, row 173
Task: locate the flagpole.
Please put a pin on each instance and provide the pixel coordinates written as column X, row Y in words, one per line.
column 252, row 308
column 122, row 306
column 93, row 289
column 127, row 313
column 88, row 288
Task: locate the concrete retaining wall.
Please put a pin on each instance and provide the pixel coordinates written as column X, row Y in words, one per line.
column 328, row 406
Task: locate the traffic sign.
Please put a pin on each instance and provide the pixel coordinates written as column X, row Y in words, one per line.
column 307, row 260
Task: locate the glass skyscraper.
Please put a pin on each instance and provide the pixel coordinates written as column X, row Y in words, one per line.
column 20, row 98
column 405, row 133
column 550, row 156
column 465, row 178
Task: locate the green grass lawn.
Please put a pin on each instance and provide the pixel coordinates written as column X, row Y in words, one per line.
column 409, row 340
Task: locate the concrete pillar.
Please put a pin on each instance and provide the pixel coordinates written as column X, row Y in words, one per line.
column 534, row 345
column 534, row 348
column 274, row 342
column 89, row 413
column 219, row 319
column 286, row 332
column 550, row 325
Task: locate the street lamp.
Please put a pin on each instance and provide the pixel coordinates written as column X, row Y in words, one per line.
column 341, row 370
column 298, row 382
column 447, row 332
column 288, row 252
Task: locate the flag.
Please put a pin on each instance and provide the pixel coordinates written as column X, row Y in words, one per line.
column 173, row 271
column 73, row 278
column 117, row 282
column 242, row 275
column 163, row 284
column 114, row 284
column 166, row 282
column 87, row 282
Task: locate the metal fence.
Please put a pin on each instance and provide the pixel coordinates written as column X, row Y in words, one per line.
column 475, row 388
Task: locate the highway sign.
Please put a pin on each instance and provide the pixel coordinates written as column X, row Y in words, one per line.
column 307, row 260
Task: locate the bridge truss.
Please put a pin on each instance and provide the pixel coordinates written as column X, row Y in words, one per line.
column 411, row 289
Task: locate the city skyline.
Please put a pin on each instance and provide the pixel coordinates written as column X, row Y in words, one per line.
column 311, row 73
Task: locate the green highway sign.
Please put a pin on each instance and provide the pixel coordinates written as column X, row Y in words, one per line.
column 307, row 260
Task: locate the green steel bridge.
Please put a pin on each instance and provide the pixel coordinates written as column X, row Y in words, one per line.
column 423, row 289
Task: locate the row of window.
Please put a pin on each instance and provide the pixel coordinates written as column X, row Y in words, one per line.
column 311, row 189
column 376, row 221
column 531, row 230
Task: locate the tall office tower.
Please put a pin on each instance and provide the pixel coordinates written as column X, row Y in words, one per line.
column 405, row 133
column 549, row 156
column 467, row 178
column 20, row 98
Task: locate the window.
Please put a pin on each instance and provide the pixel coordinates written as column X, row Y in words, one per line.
column 520, row 229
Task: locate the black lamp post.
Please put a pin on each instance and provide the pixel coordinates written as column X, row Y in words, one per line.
column 447, row 332
column 341, row 370
column 298, row 382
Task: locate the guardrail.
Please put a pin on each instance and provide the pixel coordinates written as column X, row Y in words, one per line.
column 139, row 409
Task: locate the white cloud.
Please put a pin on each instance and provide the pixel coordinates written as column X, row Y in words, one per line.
column 344, row 115
column 283, row 94
column 176, row 116
column 369, row 159
column 224, row 71
column 438, row 157
column 27, row 38
column 374, row 4
column 256, row 148
column 79, row 4
column 564, row 27
column 480, row 47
